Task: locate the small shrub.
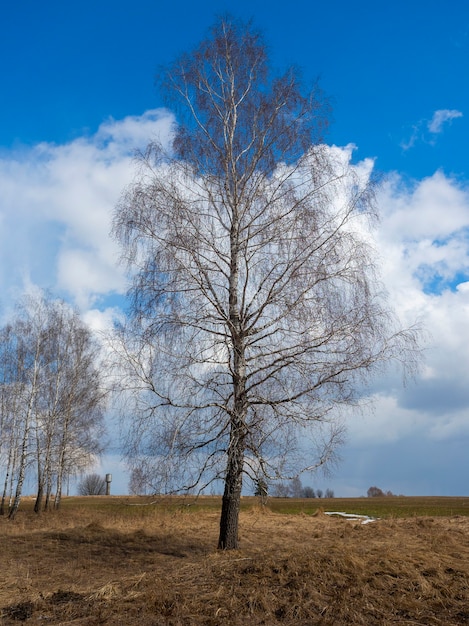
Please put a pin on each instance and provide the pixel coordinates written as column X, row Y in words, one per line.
column 92, row 485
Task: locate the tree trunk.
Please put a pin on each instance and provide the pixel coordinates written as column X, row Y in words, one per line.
column 22, row 467
column 58, row 492
column 25, row 442
column 4, row 495
column 8, row 476
column 21, row 474
column 61, row 463
column 47, row 500
column 58, row 498
column 228, row 538
column 39, row 497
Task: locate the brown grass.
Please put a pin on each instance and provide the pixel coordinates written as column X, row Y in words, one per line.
column 145, row 566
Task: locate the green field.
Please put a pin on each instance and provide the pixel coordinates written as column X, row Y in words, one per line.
column 385, row 507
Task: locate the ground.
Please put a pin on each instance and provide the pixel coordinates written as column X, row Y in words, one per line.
column 110, row 562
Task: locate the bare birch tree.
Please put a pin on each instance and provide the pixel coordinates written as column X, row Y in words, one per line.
column 256, row 311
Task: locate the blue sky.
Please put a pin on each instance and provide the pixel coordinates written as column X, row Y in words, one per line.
column 67, row 66
column 77, row 96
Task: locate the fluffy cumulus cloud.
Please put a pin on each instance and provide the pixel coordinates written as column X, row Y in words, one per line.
column 423, row 236
column 423, row 242
column 56, row 207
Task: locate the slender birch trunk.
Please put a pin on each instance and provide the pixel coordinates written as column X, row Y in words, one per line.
column 26, row 433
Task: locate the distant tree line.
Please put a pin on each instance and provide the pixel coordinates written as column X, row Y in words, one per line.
column 292, row 488
column 51, row 401
column 376, row 492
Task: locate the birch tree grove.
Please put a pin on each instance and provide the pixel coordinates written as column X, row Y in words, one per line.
column 255, row 310
column 52, row 400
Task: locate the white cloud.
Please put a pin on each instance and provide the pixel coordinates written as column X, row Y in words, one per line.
column 423, row 241
column 440, row 117
column 425, row 130
column 386, row 423
column 424, row 234
column 56, row 207
column 102, row 321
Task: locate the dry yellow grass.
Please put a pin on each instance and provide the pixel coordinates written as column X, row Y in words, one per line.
column 160, row 567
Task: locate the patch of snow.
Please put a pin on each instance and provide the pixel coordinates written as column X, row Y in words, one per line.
column 363, row 519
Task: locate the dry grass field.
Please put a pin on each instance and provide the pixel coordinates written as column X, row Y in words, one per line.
column 104, row 561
